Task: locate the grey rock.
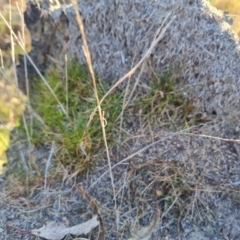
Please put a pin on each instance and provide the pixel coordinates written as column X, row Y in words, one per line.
column 199, row 46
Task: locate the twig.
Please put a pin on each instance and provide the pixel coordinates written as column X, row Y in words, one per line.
column 142, row 150
column 132, row 71
column 18, row 229
column 101, row 117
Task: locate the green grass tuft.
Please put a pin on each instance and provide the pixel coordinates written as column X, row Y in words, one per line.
column 162, row 105
column 165, row 105
column 75, row 142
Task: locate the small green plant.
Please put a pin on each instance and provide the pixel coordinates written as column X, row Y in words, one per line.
column 172, row 188
column 165, row 105
column 75, row 141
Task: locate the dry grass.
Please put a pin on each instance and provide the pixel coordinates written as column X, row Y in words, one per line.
column 233, row 9
column 160, row 128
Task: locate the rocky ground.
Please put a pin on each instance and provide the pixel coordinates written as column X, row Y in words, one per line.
column 190, row 176
column 172, row 184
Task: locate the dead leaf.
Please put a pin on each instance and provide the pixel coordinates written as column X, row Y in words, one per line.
column 57, row 231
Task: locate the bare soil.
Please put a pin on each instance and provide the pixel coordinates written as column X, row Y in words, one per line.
column 191, row 176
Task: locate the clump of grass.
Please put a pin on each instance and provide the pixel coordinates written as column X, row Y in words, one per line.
column 166, row 182
column 165, row 105
column 68, row 129
column 76, row 142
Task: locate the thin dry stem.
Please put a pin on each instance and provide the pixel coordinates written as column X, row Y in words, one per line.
column 209, row 136
column 184, row 131
column 145, row 56
column 66, row 79
column 21, row 44
column 101, row 117
column 47, row 166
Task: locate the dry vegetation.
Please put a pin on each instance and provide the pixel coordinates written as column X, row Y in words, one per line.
column 83, row 120
column 12, row 101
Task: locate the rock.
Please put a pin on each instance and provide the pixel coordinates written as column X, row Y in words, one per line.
column 199, row 46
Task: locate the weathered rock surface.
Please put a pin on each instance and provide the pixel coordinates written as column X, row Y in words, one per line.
column 199, row 45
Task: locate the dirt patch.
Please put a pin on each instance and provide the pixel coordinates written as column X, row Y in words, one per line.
column 191, row 176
